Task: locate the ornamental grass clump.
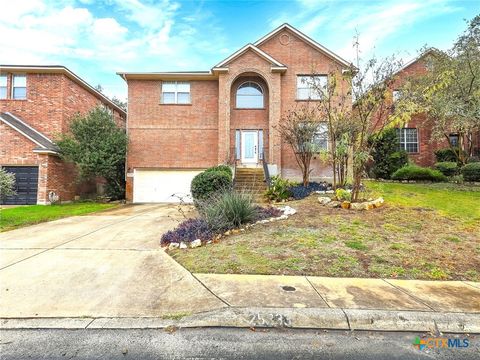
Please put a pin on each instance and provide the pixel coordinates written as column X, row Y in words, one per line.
column 227, row 210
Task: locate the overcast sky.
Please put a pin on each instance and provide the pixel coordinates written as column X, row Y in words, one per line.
column 95, row 39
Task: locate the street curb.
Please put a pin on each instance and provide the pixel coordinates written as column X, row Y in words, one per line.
column 306, row 318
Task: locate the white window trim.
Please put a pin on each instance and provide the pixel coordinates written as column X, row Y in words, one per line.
column 13, row 87
column 176, row 92
column 308, row 86
column 261, row 90
column 403, row 146
column 6, row 86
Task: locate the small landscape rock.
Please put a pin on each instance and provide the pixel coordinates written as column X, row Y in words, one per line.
column 345, row 205
column 319, row 192
column 356, row 206
column 196, row 243
column 283, row 217
column 334, row 204
column 173, row 246
column 227, row 233
column 287, row 210
column 183, row 245
column 329, row 192
column 324, row 200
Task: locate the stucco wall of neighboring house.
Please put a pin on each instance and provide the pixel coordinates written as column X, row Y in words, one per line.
column 301, row 59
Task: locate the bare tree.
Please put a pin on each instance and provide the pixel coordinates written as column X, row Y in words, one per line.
column 299, row 128
column 335, row 105
column 373, row 110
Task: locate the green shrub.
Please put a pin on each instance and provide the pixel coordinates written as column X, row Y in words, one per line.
column 228, row 210
column 414, row 172
column 224, row 168
column 447, row 168
column 386, row 157
column 7, row 183
column 209, row 182
column 446, row 155
column 279, row 189
column 471, row 171
column 343, row 195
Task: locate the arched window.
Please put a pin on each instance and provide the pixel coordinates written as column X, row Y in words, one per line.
column 249, row 96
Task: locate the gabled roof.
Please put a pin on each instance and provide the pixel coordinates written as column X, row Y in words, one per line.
column 307, row 39
column 428, row 51
column 276, row 65
column 60, row 69
column 45, row 145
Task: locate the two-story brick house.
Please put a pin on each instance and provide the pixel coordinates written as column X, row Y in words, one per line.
column 36, row 105
column 416, row 135
column 182, row 122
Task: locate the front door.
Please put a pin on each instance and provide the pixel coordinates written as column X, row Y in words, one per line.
column 249, row 147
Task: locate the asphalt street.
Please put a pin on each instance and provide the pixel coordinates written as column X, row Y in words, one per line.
column 223, row 343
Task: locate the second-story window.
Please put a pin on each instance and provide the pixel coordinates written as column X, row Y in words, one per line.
column 311, row 87
column 3, row 86
column 19, row 87
column 249, row 96
column 176, row 92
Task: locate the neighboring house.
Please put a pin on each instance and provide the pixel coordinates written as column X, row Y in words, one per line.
column 36, row 105
column 416, row 135
column 182, row 122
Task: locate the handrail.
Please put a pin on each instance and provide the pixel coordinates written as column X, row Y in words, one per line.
column 234, row 171
column 265, row 169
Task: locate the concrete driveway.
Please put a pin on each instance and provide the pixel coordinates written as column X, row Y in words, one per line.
column 104, row 265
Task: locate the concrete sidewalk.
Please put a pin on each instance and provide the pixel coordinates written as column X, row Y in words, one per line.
column 107, row 271
column 350, row 293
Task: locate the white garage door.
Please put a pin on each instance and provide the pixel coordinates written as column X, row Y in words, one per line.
column 162, row 185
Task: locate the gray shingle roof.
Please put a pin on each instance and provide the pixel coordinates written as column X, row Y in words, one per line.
column 44, row 143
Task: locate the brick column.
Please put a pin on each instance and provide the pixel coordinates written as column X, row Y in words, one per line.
column 42, row 191
column 275, row 148
column 223, row 118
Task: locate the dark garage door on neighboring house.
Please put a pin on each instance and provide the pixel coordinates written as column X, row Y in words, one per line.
column 26, row 178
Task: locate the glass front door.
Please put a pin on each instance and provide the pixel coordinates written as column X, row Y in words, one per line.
column 249, row 147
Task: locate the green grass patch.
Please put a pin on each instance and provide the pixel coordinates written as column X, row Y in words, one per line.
column 356, row 245
column 453, row 200
column 13, row 218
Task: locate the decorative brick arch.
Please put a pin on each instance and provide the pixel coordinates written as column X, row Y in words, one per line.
column 272, row 80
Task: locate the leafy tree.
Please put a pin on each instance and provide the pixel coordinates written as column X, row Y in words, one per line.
column 386, row 155
column 98, row 147
column 449, row 92
column 373, row 110
column 299, row 128
column 121, row 104
column 7, row 183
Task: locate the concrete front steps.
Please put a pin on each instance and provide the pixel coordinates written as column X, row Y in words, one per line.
column 251, row 180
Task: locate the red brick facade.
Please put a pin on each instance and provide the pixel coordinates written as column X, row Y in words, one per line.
column 203, row 133
column 54, row 95
column 427, row 145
